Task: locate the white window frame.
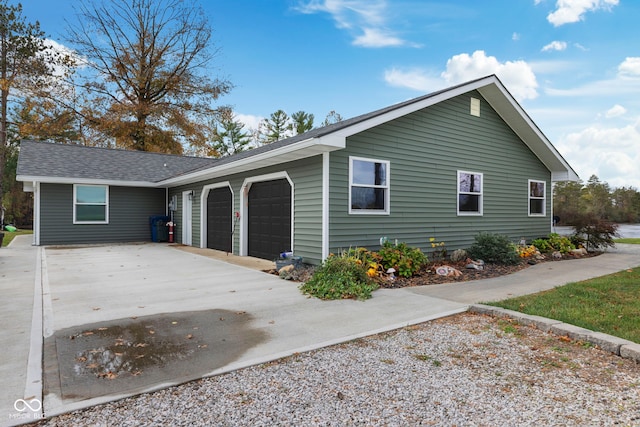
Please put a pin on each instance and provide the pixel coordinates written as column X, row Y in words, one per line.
column 105, row 204
column 480, row 194
column 543, row 198
column 386, row 187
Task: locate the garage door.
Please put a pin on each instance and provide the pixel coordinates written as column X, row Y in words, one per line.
column 219, row 219
column 269, row 218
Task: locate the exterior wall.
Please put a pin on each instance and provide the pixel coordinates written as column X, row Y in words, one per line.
column 307, row 201
column 425, row 150
column 129, row 212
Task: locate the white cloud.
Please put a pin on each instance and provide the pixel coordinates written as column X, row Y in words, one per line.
column 515, row 37
column 615, row 111
column 581, row 47
column 609, row 153
column 555, row 45
column 416, row 79
column 63, row 50
column 569, row 11
column 517, row 76
column 627, row 81
column 375, row 37
column 630, row 67
column 366, row 18
column 250, row 121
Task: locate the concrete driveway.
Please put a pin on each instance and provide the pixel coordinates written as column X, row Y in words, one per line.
column 213, row 317
column 124, row 319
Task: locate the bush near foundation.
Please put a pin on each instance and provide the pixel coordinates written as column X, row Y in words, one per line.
column 494, row 248
column 340, row 277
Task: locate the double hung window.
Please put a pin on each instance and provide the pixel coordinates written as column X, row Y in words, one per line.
column 469, row 193
column 368, row 186
column 537, row 198
column 90, row 204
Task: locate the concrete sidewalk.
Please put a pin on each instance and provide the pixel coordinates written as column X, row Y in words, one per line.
column 91, row 289
column 537, row 278
column 21, row 334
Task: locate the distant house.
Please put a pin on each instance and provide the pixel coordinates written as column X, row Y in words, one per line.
column 445, row 165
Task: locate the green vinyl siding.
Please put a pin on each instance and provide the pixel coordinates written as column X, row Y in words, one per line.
column 426, row 149
column 306, row 175
column 129, row 212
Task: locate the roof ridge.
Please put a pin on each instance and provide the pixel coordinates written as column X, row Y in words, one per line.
column 117, row 149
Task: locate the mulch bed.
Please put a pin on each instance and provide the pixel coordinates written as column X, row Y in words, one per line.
column 428, row 275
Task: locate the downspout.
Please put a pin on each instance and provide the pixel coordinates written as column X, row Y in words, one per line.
column 36, row 213
column 325, row 205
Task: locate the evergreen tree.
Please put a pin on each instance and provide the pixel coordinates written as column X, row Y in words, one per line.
column 275, row 128
column 231, row 137
column 302, row 122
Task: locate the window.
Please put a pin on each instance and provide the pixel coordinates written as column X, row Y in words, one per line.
column 90, row 204
column 537, row 198
column 469, row 193
column 368, row 186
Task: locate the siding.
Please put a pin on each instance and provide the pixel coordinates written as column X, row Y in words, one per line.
column 306, row 175
column 425, row 150
column 129, row 212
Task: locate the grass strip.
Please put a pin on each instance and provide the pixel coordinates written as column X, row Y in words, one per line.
column 629, row 240
column 10, row 235
column 608, row 304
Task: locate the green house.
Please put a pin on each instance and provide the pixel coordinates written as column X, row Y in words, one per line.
column 446, row 165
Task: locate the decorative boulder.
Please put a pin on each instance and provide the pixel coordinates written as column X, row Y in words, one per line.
column 458, row 255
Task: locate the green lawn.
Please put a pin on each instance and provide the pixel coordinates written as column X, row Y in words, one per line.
column 8, row 235
column 635, row 241
column 608, row 304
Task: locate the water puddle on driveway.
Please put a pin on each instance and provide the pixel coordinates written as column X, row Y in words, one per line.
column 129, row 355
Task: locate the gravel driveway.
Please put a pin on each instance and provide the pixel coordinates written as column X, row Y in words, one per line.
column 465, row 370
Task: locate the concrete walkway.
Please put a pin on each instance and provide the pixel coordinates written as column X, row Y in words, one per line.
column 90, row 289
column 21, row 333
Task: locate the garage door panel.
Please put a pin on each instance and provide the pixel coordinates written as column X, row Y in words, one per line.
column 269, row 218
column 219, row 219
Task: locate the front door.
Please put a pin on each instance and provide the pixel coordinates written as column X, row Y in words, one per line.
column 219, row 219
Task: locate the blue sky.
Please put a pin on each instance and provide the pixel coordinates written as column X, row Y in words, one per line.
column 574, row 65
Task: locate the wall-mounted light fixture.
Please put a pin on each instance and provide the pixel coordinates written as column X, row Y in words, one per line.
column 191, row 193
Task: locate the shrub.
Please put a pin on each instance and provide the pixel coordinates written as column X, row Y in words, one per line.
column 554, row 242
column 494, row 248
column 340, row 277
column 594, row 232
column 406, row 260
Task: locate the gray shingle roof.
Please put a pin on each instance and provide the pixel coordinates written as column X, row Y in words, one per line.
column 44, row 159
column 79, row 162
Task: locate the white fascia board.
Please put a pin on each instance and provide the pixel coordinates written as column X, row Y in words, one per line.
column 413, row 107
column 68, row 180
column 296, row 151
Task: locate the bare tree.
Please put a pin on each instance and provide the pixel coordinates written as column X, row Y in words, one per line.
column 332, row 117
column 149, row 87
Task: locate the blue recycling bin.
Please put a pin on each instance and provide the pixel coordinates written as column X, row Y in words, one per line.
column 159, row 229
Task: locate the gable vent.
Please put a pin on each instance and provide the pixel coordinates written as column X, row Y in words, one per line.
column 475, row 107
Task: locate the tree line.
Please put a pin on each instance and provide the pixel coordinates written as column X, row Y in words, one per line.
column 572, row 201
column 136, row 75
